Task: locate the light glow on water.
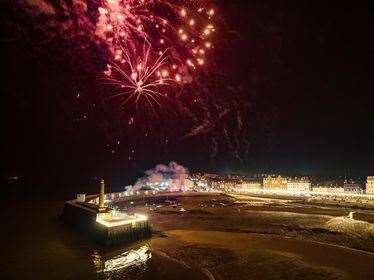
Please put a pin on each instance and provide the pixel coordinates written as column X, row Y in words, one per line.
column 126, row 260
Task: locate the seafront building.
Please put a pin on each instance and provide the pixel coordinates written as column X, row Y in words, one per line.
column 352, row 187
column 298, row 185
column 275, row 183
column 370, row 185
column 248, row 186
column 328, row 190
column 282, row 184
column 328, row 187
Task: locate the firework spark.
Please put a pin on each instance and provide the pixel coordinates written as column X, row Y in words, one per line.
column 177, row 34
column 139, row 77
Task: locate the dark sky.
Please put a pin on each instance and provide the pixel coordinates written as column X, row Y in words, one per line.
column 304, row 67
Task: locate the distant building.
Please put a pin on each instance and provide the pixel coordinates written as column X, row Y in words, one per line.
column 247, row 186
column 328, row 190
column 201, row 184
column 370, row 185
column 351, row 186
column 298, row 185
column 188, row 185
column 275, row 183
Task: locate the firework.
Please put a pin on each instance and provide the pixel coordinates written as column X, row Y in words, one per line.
column 177, row 35
column 138, row 76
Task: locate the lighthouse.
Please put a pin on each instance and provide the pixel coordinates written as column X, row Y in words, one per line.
column 102, row 195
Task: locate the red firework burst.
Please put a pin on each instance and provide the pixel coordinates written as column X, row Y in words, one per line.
column 177, row 35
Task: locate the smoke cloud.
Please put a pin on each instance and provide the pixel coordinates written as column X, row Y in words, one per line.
column 173, row 177
column 71, row 20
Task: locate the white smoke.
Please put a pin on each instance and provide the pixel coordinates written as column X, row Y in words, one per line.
column 173, row 177
column 40, row 7
column 67, row 19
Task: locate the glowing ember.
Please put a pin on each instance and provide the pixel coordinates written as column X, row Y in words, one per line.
column 139, row 77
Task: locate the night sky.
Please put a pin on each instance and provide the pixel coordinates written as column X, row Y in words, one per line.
column 299, row 72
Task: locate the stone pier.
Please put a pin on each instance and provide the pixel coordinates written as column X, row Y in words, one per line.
column 102, row 224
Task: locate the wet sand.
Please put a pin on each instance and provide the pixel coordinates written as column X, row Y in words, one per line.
column 216, row 237
column 223, row 237
column 270, row 257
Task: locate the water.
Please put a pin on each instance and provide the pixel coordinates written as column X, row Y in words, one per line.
column 35, row 243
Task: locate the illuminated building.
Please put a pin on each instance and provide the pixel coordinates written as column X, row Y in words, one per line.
column 199, row 182
column 247, row 186
column 276, row 183
column 188, row 185
column 370, row 185
column 202, row 184
column 351, row 186
column 328, row 190
column 298, row 185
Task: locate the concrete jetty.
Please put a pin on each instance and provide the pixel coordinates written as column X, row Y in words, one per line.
column 102, row 224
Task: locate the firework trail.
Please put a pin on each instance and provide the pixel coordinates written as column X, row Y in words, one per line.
column 138, row 76
column 177, row 35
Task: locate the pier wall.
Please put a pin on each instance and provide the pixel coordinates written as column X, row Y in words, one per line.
column 82, row 216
